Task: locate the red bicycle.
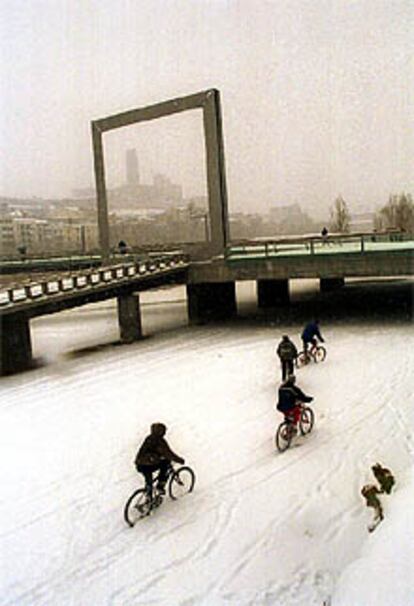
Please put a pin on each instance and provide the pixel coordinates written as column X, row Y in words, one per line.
column 288, row 429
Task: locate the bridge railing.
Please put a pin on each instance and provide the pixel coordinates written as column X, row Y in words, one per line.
column 314, row 245
column 89, row 279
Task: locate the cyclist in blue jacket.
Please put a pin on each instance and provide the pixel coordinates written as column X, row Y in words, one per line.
column 309, row 333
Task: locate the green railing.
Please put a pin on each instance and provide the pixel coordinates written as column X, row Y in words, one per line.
column 317, row 245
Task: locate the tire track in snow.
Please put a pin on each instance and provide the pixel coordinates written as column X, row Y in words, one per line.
column 102, row 564
column 405, row 370
column 339, row 521
column 112, row 549
column 254, row 548
column 58, row 376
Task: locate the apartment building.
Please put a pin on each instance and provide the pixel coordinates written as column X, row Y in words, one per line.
column 7, row 241
column 30, row 233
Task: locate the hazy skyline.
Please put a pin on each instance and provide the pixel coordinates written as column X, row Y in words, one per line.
column 317, row 97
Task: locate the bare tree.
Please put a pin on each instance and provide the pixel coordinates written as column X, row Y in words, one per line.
column 398, row 213
column 340, row 217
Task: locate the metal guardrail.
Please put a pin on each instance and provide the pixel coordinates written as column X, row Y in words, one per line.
column 90, row 279
column 312, row 245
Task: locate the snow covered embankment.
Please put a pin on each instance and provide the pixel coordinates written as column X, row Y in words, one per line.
column 384, row 574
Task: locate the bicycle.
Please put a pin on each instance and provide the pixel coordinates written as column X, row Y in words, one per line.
column 317, row 353
column 140, row 504
column 287, row 430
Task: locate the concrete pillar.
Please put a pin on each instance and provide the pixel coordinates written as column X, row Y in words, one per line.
column 271, row 293
column 216, row 173
column 129, row 318
column 328, row 284
column 99, row 164
column 16, row 344
column 211, row 301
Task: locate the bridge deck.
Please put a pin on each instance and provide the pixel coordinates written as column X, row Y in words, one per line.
column 300, row 257
column 330, row 247
column 82, row 287
column 353, row 255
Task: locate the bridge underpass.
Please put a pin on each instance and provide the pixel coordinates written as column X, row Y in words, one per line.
column 20, row 303
column 272, row 263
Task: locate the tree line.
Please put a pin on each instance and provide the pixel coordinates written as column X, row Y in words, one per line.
column 397, row 213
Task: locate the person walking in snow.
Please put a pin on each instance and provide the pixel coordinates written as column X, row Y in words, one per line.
column 153, row 455
column 287, row 353
column 370, row 493
column 384, row 477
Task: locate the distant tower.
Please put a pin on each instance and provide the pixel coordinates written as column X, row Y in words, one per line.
column 132, row 169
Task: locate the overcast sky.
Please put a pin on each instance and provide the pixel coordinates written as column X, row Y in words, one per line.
column 317, row 95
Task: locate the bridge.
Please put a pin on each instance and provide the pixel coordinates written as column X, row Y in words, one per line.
column 210, row 284
column 19, row 303
column 210, row 279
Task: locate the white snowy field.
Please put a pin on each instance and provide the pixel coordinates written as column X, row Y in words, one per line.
column 261, row 528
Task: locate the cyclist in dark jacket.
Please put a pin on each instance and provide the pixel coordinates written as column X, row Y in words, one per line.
column 155, row 454
column 309, row 333
column 290, row 396
column 287, row 353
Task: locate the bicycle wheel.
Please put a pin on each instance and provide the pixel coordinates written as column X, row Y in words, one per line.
column 181, row 482
column 138, row 506
column 320, row 354
column 283, row 436
column 306, row 420
column 302, row 359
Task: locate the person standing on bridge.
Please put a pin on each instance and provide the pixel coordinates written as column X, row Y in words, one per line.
column 122, row 247
column 287, row 353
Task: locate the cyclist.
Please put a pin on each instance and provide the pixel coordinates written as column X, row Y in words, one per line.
column 290, row 398
column 153, row 455
column 287, row 353
column 309, row 333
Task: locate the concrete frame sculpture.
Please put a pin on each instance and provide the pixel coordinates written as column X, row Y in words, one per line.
column 209, row 101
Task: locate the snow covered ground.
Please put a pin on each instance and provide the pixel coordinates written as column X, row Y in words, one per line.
column 261, row 528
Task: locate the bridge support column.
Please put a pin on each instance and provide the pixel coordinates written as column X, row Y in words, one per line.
column 271, row 293
column 211, row 301
column 328, row 284
column 16, row 344
column 129, row 318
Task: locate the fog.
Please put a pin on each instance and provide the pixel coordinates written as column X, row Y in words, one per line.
column 317, row 97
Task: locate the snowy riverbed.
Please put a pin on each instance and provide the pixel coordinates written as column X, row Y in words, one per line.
column 261, row 528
